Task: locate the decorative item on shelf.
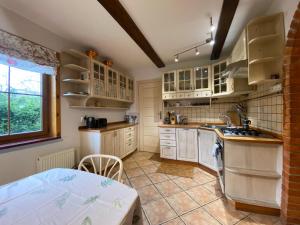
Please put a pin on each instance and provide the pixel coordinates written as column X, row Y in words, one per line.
column 91, row 53
column 167, row 118
column 209, row 41
column 108, row 62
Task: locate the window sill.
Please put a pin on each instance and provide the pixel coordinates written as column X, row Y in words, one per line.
column 28, row 142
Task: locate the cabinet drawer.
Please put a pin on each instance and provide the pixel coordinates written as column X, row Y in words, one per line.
column 129, row 129
column 167, row 137
column 167, row 143
column 167, row 130
column 130, row 134
column 180, row 95
column 165, row 96
column 206, row 93
column 173, row 96
column 168, row 152
column 189, row 95
column 130, row 147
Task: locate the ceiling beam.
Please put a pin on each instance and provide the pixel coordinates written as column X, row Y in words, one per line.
column 119, row 13
column 227, row 13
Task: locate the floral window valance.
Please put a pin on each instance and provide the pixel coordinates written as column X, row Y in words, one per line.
column 24, row 54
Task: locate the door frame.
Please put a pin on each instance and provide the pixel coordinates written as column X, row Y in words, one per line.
column 138, row 105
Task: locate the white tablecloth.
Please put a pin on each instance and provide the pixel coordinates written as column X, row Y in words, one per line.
column 66, row 196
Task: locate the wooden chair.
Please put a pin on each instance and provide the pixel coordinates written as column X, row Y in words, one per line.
column 107, row 165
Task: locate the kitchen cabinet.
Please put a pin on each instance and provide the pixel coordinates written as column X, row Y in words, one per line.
column 122, row 84
column 265, row 60
column 130, row 89
column 206, row 142
column 187, row 145
column 202, row 78
column 169, row 82
column 185, row 80
column 239, row 52
column 219, row 78
column 112, row 88
column 98, row 78
column 167, row 138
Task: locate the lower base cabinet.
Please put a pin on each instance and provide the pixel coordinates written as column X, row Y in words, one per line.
column 206, row 142
column 187, row 145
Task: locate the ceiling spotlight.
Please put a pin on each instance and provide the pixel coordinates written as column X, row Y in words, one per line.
column 212, row 42
column 212, row 28
column 176, row 58
column 197, row 51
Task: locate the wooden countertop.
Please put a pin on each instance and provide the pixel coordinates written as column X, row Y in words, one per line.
column 110, row 127
column 272, row 140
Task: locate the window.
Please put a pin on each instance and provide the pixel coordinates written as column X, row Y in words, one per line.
column 24, row 104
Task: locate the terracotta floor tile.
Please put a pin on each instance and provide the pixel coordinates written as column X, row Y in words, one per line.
column 148, row 194
column 157, row 177
column 201, row 195
column 159, row 212
column 182, row 203
column 146, row 162
column 130, row 165
column 260, row 220
column 134, row 172
column 225, row 212
column 176, row 221
column 202, row 178
column 149, row 169
column 214, row 187
column 168, row 188
column 199, row 217
column 145, row 220
column 185, row 183
column 140, row 181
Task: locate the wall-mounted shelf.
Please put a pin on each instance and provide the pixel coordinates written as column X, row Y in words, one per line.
column 76, row 67
column 76, row 81
column 263, row 39
column 263, row 60
column 96, row 107
column 75, row 95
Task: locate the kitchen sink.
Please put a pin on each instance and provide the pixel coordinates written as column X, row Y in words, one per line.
column 212, row 126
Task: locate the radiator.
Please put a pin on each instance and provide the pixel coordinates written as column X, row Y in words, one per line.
column 62, row 159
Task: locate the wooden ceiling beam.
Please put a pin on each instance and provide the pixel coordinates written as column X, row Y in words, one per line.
column 227, row 13
column 119, row 13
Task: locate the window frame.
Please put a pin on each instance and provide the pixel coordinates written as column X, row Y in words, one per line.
column 46, row 119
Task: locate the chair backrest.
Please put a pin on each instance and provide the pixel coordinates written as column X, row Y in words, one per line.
column 104, row 165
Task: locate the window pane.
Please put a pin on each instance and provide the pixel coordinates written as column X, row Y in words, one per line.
column 3, row 78
column 25, row 82
column 25, row 113
column 3, row 113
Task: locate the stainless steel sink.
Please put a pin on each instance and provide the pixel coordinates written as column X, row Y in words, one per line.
column 213, row 126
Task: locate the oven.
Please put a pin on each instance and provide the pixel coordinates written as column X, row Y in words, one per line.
column 218, row 153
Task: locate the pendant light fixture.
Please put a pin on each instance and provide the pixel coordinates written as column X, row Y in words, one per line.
column 209, row 41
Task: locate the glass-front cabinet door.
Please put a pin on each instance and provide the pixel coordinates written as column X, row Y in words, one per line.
column 122, row 86
column 185, row 81
column 219, row 78
column 112, row 88
column 130, row 89
column 99, row 78
column 202, row 78
column 169, row 82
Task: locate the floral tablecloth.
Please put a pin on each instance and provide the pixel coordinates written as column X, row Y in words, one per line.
column 66, row 196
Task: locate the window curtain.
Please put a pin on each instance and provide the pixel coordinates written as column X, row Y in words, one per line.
column 18, row 52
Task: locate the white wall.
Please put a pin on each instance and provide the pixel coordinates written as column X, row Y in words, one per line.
column 19, row 162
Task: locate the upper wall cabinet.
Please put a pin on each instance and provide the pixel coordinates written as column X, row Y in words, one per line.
column 90, row 84
column 169, row 82
column 239, row 52
column 185, row 79
column 265, row 48
column 202, row 78
column 219, row 78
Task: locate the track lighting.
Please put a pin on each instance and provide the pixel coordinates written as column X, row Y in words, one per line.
column 209, row 41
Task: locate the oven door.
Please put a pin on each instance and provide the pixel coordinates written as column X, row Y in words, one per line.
column 219, row 162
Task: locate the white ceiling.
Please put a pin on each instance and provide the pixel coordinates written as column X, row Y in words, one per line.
column 169, row 25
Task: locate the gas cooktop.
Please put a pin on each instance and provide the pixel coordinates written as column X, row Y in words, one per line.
column 229, row 131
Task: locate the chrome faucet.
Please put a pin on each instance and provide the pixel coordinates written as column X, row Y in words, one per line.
column 226, row 119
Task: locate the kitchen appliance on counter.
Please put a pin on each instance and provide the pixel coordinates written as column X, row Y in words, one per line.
column 131, row 119
column 92, row 122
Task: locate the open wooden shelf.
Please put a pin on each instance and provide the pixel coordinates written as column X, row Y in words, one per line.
column 263, row 60
column 96, row 107
column 263, row 39
column 76, row 81
column 75, row 95
column 76, row 67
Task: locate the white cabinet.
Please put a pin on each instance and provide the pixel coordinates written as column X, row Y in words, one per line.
column 202, row 78
column 130, row 89
column 219, row 78
column 239, row 51
column 206, row 141
column 167, row 143
column 187, row 145
column 112, row 88
column 169, row 82
column 98, row 78
column 185, row 80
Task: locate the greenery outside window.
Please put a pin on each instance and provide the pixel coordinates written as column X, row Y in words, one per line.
column 24, row 104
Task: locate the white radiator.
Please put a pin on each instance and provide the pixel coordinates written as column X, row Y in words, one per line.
column 62, row 159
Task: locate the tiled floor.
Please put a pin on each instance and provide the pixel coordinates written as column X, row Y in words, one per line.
column 181, row 194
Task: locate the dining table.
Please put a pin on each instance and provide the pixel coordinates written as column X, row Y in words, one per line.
column 68, row 197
